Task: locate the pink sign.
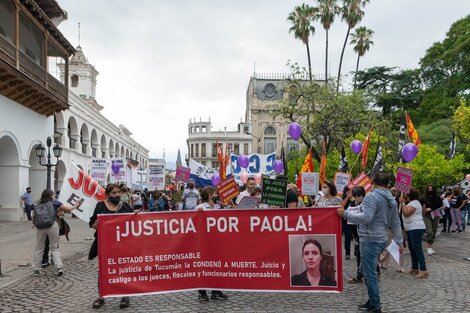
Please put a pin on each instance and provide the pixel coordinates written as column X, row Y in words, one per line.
column 403, row 179
column 182, row 174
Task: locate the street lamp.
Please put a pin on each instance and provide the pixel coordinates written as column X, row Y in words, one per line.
column 40, row 153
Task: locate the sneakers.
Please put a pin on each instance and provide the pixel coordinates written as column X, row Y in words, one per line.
column 422, row 274
column 60, row 272
column 413, row 271
column 36, row 273
column 355, row 280
column 203, row 297
column 430, row 251
column 347, row 257
column 218, row 295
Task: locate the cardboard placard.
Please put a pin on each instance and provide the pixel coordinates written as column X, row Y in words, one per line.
column 182, row 174
column 341, row 181
column 403, row 179
column 228, row 190
column 310, row 183
column 361, row 180
column 274, row 192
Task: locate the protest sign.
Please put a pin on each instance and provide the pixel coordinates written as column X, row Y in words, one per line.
column 98, row 170
column 117, row 170
column 228, row 190
column 156, row 176
column 274, row 192
column 249, row 202
column 186, row 250
column 341, row 181
column 182, row 174
column 403, row 179
column 78, row 186
column 310, row 183
column 361, row 180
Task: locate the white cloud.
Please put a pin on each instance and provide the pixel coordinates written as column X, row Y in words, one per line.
column 164, row 62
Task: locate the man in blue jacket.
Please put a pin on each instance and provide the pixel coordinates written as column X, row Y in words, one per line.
column 379, row 214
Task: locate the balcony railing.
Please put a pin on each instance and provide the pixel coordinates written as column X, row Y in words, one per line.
column 31, row 69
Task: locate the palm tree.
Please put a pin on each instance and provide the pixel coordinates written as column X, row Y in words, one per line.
column 362, row 42
column 352, row 13
column 327, row 10
column 301, row 19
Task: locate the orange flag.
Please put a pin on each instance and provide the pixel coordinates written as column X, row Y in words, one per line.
column 221, row 158
column 365, row 150
column 306, row 167
column 323, row 164
column 412, row 133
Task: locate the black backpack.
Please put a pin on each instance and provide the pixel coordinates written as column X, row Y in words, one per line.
column 44, row 215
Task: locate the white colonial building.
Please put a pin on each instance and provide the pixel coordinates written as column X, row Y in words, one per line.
column 202, row 140
column 35, row 105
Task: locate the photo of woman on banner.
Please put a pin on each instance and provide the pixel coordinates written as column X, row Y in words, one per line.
column 316, row 263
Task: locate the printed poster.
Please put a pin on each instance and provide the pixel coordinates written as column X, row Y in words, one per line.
column 310, row 183
column 152, row 253
column 341, row 181
column 117, row 170
column 403, row 179
column 99, row 169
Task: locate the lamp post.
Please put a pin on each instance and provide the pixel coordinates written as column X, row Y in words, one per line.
column 41, row 152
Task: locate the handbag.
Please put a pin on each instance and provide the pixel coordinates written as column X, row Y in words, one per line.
column 64, row 228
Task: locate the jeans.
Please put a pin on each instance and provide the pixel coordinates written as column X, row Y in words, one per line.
column 370, row 252
column 415, row 244
column 27, row 210
column 447, row 220
column 465, row 212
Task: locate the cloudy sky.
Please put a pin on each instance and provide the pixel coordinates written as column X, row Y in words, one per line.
column 162, row 62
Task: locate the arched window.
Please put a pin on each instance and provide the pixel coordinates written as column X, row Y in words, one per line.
column 269, row 140
column 74, row 80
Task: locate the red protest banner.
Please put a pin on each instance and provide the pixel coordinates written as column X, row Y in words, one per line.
column 228, row 190
column 403, row 179
column 251, row 250
column 361, row 180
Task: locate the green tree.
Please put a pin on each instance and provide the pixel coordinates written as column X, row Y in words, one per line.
column 327, row 11
column 431, row 167
column 301, row 19
column 361, row 39
column 461, row 123
column 351, row 13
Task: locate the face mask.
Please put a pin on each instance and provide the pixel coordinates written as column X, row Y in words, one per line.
column 29, row 191
column 325, row 191
column 215, row 199
column 114, row 200
column 358, row 199
column 430, row 193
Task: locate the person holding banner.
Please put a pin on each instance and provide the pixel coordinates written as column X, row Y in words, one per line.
column 208, row 194
column 379, row 214
column 111, row 205
column 312, row 253
column 330, row 195
column 51, row 232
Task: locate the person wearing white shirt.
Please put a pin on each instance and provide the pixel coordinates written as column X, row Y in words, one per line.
column 250, row 187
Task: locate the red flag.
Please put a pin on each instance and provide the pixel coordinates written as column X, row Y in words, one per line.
column 306, row 167
column 226, row 161
column 365, row 150
column 412, row 133
column 323, row 164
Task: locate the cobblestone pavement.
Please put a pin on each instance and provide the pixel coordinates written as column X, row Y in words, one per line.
column 445, row 291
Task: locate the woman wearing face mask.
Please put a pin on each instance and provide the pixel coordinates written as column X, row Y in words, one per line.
column 431, row 202
column 329, row 197
column 354, row 199
column 111, row 205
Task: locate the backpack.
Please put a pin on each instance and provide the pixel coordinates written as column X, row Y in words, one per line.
column 44, row 215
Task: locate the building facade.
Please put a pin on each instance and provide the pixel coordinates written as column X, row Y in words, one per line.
column 202, row 142
column 269, row 134
column 36, row 104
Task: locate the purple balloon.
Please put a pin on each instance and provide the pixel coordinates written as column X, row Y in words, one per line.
column 294, row 130
column 409, row 152
column 115, row 167
column 278, row 166
column 215, row 179
column 356, row 146
column 243, row 161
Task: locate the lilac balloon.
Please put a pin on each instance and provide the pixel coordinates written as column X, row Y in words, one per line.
column 215, row 179
column 243, row 161
column 294, row 130
column 356, row 146
column 409, row 152
column 115, row 167
column 278, row 166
